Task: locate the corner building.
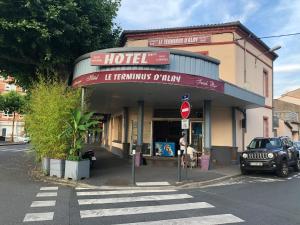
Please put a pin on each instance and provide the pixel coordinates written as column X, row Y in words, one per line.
column 226, row 71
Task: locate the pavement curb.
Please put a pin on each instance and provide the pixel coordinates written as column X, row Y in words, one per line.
column 184, row 185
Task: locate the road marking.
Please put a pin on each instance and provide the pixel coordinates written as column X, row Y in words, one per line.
column 202, row 220
column 152, row 183
column 88, row 193
column 289, row 178
column 133, row 199
column 48, row 188
column 143, row 209
column 13, row 150
column 30, row 217
column 46, row 194
column 42, row 203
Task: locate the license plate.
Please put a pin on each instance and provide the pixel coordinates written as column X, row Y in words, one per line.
column 93, row 158
column 256, row 163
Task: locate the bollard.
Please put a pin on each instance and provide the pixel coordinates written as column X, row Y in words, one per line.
column 179, row 166
column 133, row 168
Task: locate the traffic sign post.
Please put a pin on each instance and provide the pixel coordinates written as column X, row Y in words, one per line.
column 185, row 110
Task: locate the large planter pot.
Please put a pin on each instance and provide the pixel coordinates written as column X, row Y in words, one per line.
column 57, row 167
column 46, row 165
column 77, row 170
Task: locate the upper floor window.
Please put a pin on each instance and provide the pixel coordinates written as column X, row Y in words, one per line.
column 265, row 83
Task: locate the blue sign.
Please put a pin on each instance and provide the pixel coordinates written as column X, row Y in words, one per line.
column 166, row 149
column 185, row 97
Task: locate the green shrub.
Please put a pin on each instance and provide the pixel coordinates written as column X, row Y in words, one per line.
column 50, row 105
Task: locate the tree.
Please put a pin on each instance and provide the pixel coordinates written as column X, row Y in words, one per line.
column 45, row 37
column 12, row 102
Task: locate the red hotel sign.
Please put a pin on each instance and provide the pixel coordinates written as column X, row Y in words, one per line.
column 184, row 40
column 130, row 58
column 149, row 76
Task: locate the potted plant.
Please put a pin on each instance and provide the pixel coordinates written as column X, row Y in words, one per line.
column 77, row 168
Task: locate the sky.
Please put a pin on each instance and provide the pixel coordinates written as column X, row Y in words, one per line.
column 262, row 17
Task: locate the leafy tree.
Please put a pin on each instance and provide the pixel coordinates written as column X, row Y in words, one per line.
column 46, row 36
column 12, row 102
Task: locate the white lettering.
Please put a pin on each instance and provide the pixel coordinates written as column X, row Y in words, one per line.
column 128, row 58
column 144, row 61
column 119, row 58
column 136, row 58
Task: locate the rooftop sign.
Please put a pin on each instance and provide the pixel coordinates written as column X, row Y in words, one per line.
column 183, row 40
column 130, row 58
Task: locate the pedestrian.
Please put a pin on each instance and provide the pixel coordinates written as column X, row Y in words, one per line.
column 183, row 145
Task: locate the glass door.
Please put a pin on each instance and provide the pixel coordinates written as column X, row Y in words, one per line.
column 196, row 135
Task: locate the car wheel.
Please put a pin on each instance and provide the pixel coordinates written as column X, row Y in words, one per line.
column 244, row 172
column 283, row 170
column 297, row 166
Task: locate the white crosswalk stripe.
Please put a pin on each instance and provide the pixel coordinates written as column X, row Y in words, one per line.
column 43, row 203
column 201, row 220
column 14, row 150
column 133, row 199
column 144, row 195
column 31, row 217
column 152, row 183
column 46, row 194
column 48, row 188
column 143, row 209
column 121, row 192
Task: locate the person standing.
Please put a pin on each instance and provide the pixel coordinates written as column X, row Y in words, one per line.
column 183, row 146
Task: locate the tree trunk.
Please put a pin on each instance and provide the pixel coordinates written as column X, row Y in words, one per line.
column 13, row 127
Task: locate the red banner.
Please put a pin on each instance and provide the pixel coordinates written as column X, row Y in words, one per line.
column 149, row 76
column 130, row 58
column 184, row 40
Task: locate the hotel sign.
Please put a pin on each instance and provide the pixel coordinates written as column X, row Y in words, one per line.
column 130, row 58
column 184, row 40
column 149, row 76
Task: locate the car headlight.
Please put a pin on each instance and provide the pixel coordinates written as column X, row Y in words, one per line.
column 270, row 155
column 245, row 155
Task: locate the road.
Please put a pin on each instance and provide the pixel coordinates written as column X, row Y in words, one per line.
column 258, row 199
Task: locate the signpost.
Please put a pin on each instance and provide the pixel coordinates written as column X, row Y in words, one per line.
column 185, row 110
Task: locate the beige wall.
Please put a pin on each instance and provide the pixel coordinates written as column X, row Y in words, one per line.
column 221, row 127
column 255, row 123
column 283, row 129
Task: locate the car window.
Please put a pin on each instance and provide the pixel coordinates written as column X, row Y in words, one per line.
column 264, row 143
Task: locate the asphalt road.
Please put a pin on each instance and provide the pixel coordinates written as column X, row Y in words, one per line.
column 256, row 199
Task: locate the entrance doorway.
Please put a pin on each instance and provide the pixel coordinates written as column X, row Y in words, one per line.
column 196, row 135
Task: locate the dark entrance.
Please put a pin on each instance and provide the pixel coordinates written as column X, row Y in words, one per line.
column 166, row 131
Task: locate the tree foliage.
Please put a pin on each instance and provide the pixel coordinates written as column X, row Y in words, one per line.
column 46, row 36
column 50, row 105
column 12, row 102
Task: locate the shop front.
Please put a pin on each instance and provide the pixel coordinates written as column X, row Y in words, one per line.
column 139, row 91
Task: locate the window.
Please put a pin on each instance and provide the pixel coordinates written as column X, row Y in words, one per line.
column 266, row 83
column 266, row 127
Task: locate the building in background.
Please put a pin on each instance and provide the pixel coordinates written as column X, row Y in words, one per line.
column 286, row 115
column 225, row 68
column 6, row 119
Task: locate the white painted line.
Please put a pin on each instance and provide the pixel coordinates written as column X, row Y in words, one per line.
column 88, row 193
column 289, row 178
column 133, row 199
column 152, row 183
column 143, row 209
column 46, row 194
column 42, row 203
column 49, row 188
column 30, row 217
column 201, row 220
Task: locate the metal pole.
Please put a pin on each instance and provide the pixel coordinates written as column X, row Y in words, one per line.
column 185, row 155
column 179, row 166
column 133, row 168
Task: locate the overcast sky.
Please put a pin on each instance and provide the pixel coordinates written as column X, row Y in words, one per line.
column 262, row 17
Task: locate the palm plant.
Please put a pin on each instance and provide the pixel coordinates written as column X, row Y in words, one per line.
column 76, row 130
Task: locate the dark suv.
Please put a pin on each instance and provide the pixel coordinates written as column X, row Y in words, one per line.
column 270, row 154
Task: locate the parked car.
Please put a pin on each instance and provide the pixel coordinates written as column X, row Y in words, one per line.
column 270, row 154
column 24, row 139
column 297, row 145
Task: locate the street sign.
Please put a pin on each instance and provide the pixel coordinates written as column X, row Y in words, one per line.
column 185, row 110
column 185, row 124
column 185, row 97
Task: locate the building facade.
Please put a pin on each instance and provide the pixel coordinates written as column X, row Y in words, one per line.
column 226, row 71
column 6, row 119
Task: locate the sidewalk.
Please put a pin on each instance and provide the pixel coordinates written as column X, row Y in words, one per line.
column 110, row 170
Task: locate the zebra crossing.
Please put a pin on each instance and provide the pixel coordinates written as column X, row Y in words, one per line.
column 13, row 150
column 95, row 203
column 43, row 206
